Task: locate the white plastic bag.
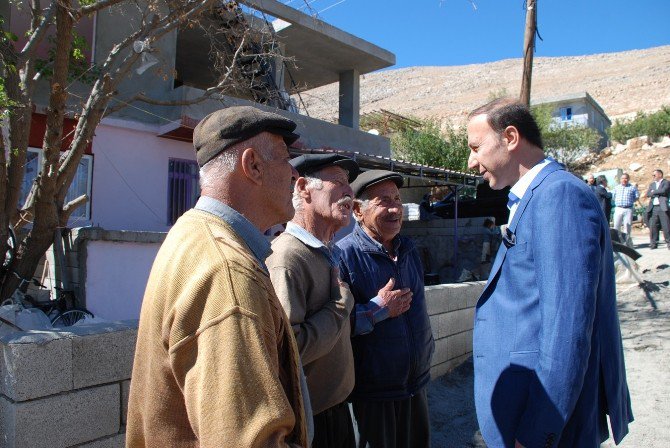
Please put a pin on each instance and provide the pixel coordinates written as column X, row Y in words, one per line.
column 24, row 318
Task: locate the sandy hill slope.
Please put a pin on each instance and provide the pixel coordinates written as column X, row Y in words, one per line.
column 622, row 83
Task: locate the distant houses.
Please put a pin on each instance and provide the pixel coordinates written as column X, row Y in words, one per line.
column 578, row 109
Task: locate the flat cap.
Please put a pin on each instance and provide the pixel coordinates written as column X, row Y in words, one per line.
column 374, row 177
column 310, row 163
column 225, row 127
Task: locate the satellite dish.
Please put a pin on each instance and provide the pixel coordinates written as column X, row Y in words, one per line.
column 148, row 60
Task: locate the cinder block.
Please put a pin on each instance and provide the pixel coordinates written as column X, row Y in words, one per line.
column 456, row 322
column 103, row 357
column 476, row 289
column 446, row 367
column 125, row 390
column 454, row 296
column 459, row 344
column 441, row 353
column 438, row 370
column 435, row 326
column 437, row 299
column 115, row 441
column 61, row 420
column 35, row 364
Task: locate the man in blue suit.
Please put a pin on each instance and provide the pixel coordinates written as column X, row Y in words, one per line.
column 548, row 356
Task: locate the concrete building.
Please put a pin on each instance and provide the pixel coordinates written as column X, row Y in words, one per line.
column 140, row 172
column 578, row 109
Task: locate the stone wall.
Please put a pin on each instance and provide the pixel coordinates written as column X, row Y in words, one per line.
column 449, row 246
column 452, row 309
column 60, row 389
column 67, row 388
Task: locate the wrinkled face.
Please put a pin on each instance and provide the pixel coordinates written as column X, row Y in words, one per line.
column 624, row 180
column 382, row 218
column 489, row 154
column 591, row 180
column 278, row 177
column 333, row 201
column 657, row 176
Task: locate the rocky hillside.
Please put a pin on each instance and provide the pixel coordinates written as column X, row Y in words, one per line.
column 639, row 157
column 622, row 83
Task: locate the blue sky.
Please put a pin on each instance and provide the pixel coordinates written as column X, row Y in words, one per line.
column 452, row 32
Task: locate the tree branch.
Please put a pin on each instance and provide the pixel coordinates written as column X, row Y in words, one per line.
column 97, row 6
column 70, row 207
column 38, row 33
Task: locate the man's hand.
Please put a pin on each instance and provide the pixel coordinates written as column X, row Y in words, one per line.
column 517, row 444
column 396, row 301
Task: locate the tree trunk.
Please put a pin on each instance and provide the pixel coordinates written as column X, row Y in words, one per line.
column 528, row 50
column 46, row 208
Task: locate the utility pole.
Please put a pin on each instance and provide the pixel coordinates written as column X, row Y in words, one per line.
column 528, row 50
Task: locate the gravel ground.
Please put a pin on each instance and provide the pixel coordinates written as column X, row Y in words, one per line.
column 645, row 327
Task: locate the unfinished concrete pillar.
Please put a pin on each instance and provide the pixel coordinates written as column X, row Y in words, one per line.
column 350, row 99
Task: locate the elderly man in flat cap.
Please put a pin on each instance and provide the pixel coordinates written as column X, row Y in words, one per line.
column 304, row 271
column 216, row 362
column 392, row 346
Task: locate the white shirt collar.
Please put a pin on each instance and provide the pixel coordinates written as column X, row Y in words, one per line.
column 521, row 186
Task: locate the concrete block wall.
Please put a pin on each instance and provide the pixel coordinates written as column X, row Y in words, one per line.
column 451, row 309
column 66, row 388
column 448, row 246
column 70, row 388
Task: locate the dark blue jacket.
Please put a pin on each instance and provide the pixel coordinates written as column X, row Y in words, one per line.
column 393, row 361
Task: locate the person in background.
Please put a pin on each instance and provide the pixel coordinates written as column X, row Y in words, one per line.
column 604, row 196
column 624, row 197
column 657, row 209
column 488, row 246
column 591, row 181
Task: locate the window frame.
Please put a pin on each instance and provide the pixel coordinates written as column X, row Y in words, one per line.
column 170, row 200
column 566, row 113
column 89, row 183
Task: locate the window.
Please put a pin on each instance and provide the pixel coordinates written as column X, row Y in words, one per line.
column 183, row 190
column 566, row 113
column 81, row 184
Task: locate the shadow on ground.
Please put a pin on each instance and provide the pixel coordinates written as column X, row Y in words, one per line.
column 452, row 410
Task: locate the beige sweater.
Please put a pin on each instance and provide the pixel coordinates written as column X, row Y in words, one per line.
column 216, row 363
column 318, row 308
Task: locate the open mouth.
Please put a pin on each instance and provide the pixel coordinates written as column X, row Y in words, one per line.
column 345, row 203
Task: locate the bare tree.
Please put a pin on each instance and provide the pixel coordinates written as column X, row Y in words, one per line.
column 234, row 47
column 528, row 50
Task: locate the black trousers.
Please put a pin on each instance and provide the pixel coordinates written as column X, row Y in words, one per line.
column 394, row 423
column 659, row 215
column 333, row 428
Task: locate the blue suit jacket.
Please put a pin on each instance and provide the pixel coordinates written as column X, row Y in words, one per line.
column 547, row 345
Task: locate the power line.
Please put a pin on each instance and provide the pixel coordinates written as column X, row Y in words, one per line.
column 331, row 6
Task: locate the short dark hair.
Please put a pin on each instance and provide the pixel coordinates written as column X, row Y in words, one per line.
column 503, row 112
column 660, row 171
column 488, row 222
column 600, row 179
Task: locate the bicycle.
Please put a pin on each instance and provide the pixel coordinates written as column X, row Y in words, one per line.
column 61, row 311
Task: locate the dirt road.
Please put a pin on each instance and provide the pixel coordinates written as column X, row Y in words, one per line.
column 645, row 327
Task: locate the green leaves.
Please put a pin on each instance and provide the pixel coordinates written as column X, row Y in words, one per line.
column 79, row 69
column 564, row 143
column 434, row 145
column 654, row 126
